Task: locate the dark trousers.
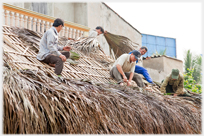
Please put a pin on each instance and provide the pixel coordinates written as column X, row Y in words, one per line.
column 169, row 88
column 52, row 59
column 114, row 73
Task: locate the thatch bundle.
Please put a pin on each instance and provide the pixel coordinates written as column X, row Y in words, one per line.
column 36, row 101
column 120, row 44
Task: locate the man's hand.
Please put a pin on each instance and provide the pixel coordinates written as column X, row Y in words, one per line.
column 175, row 95
column 67, row 48
column 63, row 58
column 105, row 32
column 129, row 83
column 124, row 78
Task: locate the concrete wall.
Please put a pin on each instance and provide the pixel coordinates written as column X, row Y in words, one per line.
column 80, row 14
column 160, row 67
column 64, row 11
column 170, row 63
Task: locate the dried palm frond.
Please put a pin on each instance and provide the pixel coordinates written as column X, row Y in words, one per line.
column 30, row 38
column 35, row 103
column 86, row 45
column 120, row 44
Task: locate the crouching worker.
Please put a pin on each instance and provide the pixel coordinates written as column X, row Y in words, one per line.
column 50, row 51
column 141, row 70
column 174, row 83
column 124, row 67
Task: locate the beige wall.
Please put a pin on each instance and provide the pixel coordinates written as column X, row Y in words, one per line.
column 160, row 67
column 80, row 14
column 64, row 11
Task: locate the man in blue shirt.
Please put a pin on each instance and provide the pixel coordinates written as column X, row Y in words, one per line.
column 141, row 70
column 50, row 52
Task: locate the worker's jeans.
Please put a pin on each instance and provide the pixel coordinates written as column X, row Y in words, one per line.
column 52, row 59
column 114, row 73
column 144, row 72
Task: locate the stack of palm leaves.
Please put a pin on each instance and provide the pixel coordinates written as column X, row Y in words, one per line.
column 120, row 44
column 85, row 44
column 90, row 47
column 37, row 103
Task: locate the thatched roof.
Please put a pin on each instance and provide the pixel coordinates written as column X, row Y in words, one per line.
column 85, row 100
column 20, row 49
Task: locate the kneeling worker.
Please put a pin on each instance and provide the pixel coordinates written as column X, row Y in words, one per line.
column 174, row 83
column 124, row 67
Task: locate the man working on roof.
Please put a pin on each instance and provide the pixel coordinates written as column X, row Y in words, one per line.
column 50, row 51
column 124, row 67
column 173, row 83
column 141, row 70
column 95, row 32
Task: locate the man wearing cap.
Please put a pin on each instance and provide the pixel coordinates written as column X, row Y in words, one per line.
column 174, row 83
column 141, row 70
column 50, row 52
column 124, row 67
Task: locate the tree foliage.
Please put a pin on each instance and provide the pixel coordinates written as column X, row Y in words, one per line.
column 193, row 62
column 190, row 83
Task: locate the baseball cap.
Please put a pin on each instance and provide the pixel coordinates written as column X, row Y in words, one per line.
column 136, row 53
column 175, row 74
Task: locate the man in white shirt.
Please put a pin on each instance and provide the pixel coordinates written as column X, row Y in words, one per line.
column 124, row 68
column 95, row 32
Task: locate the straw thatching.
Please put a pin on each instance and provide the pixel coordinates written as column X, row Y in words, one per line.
column 85, row 100
column 119, row 44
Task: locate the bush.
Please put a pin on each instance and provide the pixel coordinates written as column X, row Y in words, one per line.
column 190, row 83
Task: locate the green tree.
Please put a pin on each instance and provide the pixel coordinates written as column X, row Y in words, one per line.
column 193, row 62
column 188, row 61
column 197, row 68
column 190, row 83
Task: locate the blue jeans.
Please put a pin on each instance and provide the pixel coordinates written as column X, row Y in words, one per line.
column 144, row 72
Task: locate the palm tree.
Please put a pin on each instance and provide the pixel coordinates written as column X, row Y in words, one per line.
column 188, row 61
column 193, row 62
column 197, row 68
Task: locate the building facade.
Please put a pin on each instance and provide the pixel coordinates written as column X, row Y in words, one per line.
column 88, row 14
